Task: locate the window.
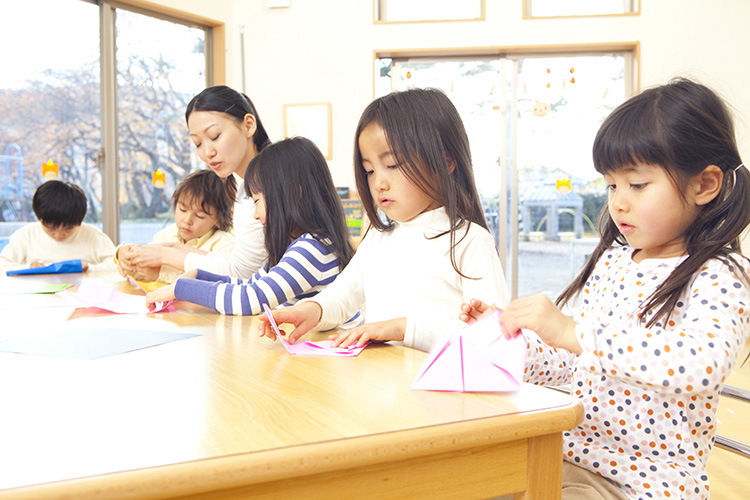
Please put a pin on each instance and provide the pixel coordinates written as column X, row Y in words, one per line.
column 565, row 8
column 52, row 99
column 531, row 120
column 389, row 11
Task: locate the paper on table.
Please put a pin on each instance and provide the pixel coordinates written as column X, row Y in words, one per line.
column 89, row 342
column 64, row 267
column 307, row 348
column 477, row 358
column 93, row 294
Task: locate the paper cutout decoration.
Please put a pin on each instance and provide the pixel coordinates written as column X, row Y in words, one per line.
column 92, row 294
column 158, row 178
column 563, row 185
column 146, row 286
column 20, row 288
column 64, row 267
column 477, row 358
column 89, row 342
column 321, row 348
column 49, row 170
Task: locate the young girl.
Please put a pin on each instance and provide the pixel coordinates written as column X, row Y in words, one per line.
column 665, row 298
column 203, row 215
column 412, row 161
column 227, row 133
column 306, row 236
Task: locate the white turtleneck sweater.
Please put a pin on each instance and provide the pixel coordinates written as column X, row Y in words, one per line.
column 405, row 273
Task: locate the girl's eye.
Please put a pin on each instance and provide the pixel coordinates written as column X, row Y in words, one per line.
column 611, row 187
column 200, row 216
column 197, row 145
column 637, row 187
column 368, row 172
column 214, row 138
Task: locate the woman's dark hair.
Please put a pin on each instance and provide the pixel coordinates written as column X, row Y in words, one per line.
column 205, row 189
column 428, row 139
column 683, row 127
column 236, row 104
column 59, row 204
column 293, row 177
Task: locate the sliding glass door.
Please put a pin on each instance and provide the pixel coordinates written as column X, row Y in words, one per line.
column 531, row 120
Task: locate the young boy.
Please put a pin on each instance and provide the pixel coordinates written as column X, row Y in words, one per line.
column 203, row 217
column 60, row 233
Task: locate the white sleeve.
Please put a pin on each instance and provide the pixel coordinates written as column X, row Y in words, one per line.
column 478, row 260
column 13, row 255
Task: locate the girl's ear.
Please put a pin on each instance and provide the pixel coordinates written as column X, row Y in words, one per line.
column 707, row 184
column 249, row 125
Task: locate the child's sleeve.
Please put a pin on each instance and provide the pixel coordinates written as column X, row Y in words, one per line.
column 305, row 267
column 694, row 353
column 479, row 261
column 103, row 251
column 13, row 256
column 546, row 365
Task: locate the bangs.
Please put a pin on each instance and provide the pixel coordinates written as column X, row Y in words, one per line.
column 190, row 199
column 630, row 136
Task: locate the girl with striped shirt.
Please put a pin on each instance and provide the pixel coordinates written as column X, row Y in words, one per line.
column 306, row 236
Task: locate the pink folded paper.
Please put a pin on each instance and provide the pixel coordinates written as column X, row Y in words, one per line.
column 477, row 358
column 307, row 348
column 92, row 294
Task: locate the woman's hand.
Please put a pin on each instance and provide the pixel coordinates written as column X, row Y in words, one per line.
column 303, row 316
column 475, row 310
column 540, row 315
column 162, row 294
column 379, row 331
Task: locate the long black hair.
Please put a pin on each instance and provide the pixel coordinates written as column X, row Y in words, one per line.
column 293, row 177
column 235, row 104
column 428, row 139
column 683, row 127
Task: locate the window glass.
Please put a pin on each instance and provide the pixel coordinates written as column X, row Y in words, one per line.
column 49, row 104
column 559, row 8
column 161, row 65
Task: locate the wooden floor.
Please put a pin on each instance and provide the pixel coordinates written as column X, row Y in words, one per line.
column 728, row 472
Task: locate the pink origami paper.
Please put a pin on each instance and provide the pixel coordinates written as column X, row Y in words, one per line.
column 92, row 294
column 477, row 358
column 321, row 348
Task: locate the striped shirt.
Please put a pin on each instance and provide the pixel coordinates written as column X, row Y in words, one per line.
column 306, row 268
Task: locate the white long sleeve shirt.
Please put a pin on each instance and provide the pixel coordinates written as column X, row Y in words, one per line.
column 31, row 244
column 406, row 273
column 249, row 253
column 650, row 395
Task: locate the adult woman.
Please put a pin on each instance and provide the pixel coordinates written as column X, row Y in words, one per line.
column 227, row 133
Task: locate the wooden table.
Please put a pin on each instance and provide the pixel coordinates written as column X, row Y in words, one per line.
column 231, row 415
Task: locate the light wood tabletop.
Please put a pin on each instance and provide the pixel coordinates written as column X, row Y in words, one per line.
column 227, row 414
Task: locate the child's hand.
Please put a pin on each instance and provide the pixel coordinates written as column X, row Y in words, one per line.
column 303, row 316
column 539, row 314
column 162, row 294
column 36, row 264
column 380, row 331
column 475, row 310
column 84, row 267
column 125, row 265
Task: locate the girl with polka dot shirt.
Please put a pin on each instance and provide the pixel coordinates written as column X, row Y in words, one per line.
column 663, row 301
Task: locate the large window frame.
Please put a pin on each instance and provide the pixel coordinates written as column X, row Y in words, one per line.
column 509, row 198
column 108, row 152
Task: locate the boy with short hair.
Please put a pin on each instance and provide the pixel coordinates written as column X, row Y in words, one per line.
column 60, row 233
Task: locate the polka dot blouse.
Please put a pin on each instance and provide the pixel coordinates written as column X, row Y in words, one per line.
column 650, row 395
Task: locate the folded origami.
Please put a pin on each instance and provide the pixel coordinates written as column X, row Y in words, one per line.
column 64, row 267
column 477, row 358
column 92, row 294
column 321, row 348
